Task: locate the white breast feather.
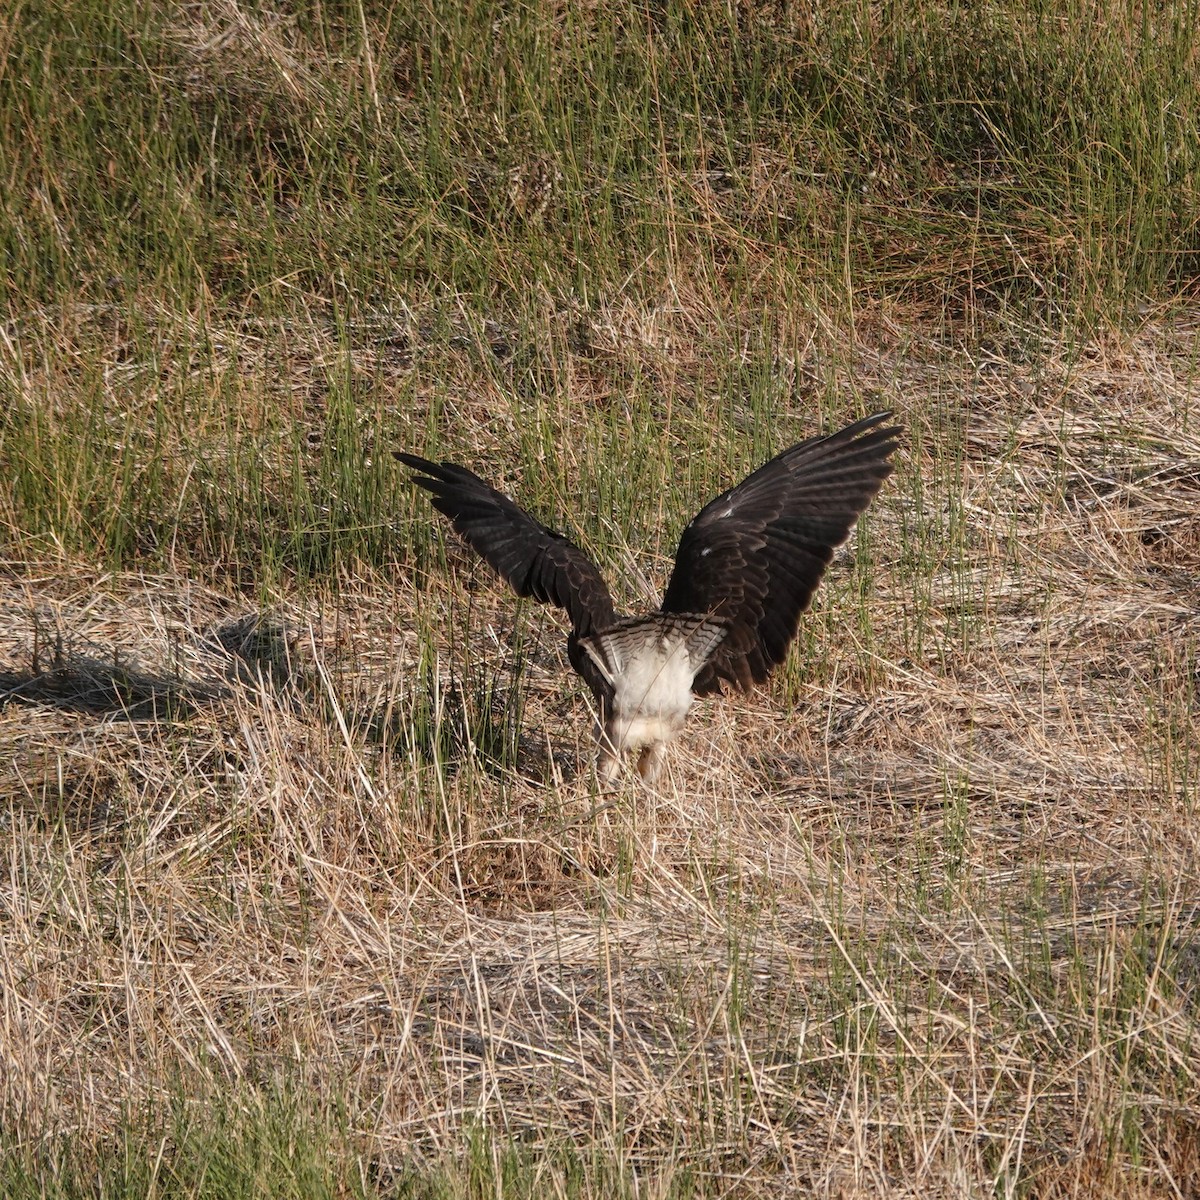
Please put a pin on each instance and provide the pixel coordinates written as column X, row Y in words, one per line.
column 652, row 694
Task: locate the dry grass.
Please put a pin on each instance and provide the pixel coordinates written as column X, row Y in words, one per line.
column 920, row 920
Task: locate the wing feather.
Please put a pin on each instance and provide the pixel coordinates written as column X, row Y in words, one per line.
column 755, row 555
column 534, row 559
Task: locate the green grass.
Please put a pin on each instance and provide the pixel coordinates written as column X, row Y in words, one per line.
column 233, row 1146
column 190, row 200
column 266, row 1143
column 307, row 889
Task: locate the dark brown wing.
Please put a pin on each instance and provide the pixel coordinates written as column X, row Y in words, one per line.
column 755, row 554
column 534, row 559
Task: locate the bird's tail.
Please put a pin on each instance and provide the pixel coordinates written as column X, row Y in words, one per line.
column 613, row 650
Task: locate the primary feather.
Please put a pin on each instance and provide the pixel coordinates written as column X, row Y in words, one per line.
column 746, row 568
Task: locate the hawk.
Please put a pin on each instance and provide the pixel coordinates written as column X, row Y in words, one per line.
column 747, row 566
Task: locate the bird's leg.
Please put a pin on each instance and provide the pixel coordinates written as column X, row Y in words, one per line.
column 608, row 764
column 650, row 761
column 608, row 757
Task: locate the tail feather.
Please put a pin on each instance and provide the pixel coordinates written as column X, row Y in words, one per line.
column 613, row 650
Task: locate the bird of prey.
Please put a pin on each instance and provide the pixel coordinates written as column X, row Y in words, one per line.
column 746, row 568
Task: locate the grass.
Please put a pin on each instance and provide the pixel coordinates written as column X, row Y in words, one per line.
column 307, row 890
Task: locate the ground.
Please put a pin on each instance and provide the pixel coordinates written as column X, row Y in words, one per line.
column 916, row 919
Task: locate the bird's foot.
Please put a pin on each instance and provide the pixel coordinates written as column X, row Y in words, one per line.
column 650, row 761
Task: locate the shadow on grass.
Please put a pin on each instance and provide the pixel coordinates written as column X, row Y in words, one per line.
column 254, row 650
column 475, row 718
column 79, row 683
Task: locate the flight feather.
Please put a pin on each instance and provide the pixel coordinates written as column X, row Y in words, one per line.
column 754, row 555
column 535, row 560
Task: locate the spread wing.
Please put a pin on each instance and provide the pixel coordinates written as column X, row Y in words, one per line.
column 755, row 554
column 534, row 559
